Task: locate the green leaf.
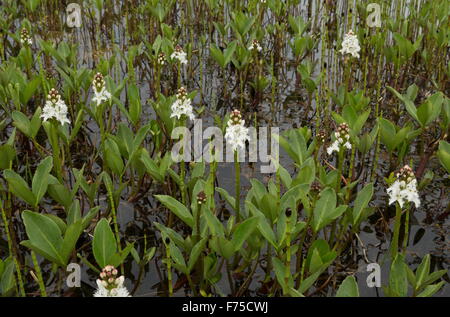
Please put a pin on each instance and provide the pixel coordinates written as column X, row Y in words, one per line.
column 422, row 271
column 348, row 288
column 40, row 179
column 135, row 107
column 222, row 246
column 29, row 245
column 434, row 276
column 443, row 154
column 362, row 200
column 112, row 157
column 309, row 281
column 117, row 258
column 430, row 290
column 398, row 280
column 195, row 253
column 7, row 280
column 21, row 122
column 60, row 193
column 71, row 236
column 280, row 272
column 263, row 226
column 224, row 194
column 325, row 210
column 409, row 105
column 177, row 208
column 228, row 52
column 35, row 123
column 430, row 109
column 89, row 216
column 44, row 234
column 217, row 54
column 7, row 154
column 151, row 166
column 243, row 231
column 104, row 244
column 19, row 187
column 177, row 256
column 74, row 213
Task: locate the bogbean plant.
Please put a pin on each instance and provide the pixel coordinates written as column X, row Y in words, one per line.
column 66, row 173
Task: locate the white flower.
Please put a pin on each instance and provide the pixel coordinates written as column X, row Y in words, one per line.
column 102, row 95
column 402, row 191
column 411, row 192
column 182, row 105
column 342, row 138
column 55, row 108
column 350, row 45
column 333, row 147
column 162, row 58
column 25, row 37
column 236, row 133
column 27, row 41
column 179, row 54
column 109, row 285
column 395, row 194
column 100, row 92
column 255, row 45
column 118, row 291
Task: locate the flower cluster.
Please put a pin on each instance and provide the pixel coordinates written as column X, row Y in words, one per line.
column 55, row 108
column 162, row 58
column 100, row 92
column 236, row 133
column 342, row 139
column 404, row 188
column 179, row 54
column 201, row 198
column 321, row 137
column 25, row 37
column 350, row 45
column 109, row 285
column 182, row 105
column 255, row 46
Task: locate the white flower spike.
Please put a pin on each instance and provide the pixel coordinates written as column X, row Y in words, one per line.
column 350, row 45
column 55, row 108
column 342, row 139
column 25, row 37
column 162, row 59
column 255, row 46
column 109, row 285
column 236, row 133
column 404, row 189
column 179, row 54
column 182, row 105
column 100, row 92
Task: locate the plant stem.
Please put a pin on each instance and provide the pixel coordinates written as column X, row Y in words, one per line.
column 12, row 253
column 398, row 218
column 405, row 237
column 238, row 186
column 39, row 275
